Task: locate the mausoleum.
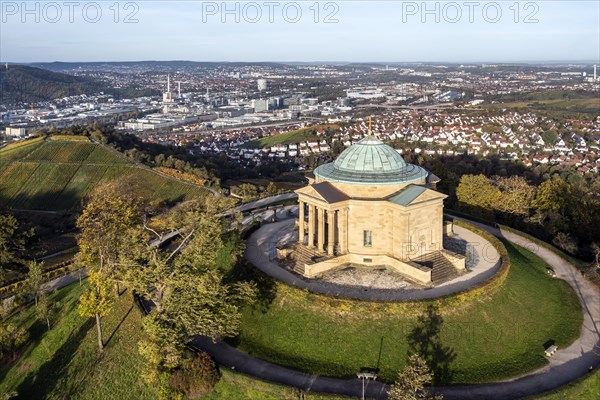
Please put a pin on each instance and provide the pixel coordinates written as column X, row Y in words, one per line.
column 371, row 208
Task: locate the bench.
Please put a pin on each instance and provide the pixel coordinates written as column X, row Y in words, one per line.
column 551, row 350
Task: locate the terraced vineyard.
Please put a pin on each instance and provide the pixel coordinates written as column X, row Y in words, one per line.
column 56, row 175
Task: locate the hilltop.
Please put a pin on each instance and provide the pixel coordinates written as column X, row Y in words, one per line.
column 55, row 174
column 20, row 83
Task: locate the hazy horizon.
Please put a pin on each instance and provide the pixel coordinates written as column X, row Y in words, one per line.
column 330, row 62
column 352, row 31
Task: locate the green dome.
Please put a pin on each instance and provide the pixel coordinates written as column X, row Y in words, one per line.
column 370, row 161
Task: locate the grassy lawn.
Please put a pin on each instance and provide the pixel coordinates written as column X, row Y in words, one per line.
column 295, row 136
column 495, row 337
column 64, row 362
column 237, row 386
column 499, row 336
column 586, row 388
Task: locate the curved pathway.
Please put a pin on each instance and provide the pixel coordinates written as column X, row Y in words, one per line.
column 261, row 251
column 565, row 366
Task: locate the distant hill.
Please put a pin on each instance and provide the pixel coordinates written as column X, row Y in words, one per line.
column 56, row 174
column 20, row 83
column 149, row 65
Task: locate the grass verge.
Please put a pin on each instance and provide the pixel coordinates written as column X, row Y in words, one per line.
column 495, row 336
column 238, row 386
column 585, row 388
column 64, row 362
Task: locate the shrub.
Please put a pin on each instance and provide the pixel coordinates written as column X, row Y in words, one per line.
column 195, row 377
column 11, row 338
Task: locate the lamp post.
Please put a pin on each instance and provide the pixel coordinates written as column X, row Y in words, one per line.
column 365, row 375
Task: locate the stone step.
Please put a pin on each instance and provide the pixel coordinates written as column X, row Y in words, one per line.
column 299, row 268
column 442, row 270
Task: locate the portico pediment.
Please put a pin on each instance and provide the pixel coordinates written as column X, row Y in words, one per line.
column 323, row 191
column 415, row 194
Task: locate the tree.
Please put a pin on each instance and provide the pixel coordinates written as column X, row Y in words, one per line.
column 11, row 338
column 45, row 309
column 12, row 239
column 106, row 224
column 162, row 347
column 271, row 188
column 516, row 195
column 565, row 242
column 477, row 194
column 195, row 377
column 97, row 300
column 34, row 279
column 553, row 195
column 201, row 304
column 411, row 381
column 186, row 285
column 596, row 252
column 247, row 191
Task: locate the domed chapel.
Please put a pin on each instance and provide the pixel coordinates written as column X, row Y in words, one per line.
column 371, row 208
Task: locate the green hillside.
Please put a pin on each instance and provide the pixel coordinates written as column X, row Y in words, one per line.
column 20, row 83
column 295, row 136
column 56, row 175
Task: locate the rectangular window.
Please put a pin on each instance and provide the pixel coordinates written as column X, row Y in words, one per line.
column 367, row 238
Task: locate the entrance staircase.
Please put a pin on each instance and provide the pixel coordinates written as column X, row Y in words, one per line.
column 304, row 255
column 442, row 270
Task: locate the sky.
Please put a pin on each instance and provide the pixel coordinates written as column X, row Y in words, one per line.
column 309, row 31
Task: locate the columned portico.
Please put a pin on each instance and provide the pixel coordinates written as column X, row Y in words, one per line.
column 330, row 232
column 321, row 230
column 311, row 226
column 301, row 222
column 343, row 230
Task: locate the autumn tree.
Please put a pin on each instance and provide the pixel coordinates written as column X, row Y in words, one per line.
column 11, row 338
column 12, row 239
column 272, row 189
column 162, row 347
column 553, row 195
column 45, row 309
column 515, row 197
column 97, row 300
column 411, row 381
column 106, row 225
column 246, row 191
column 186, row 285
column 33, row 284
column 477, row 194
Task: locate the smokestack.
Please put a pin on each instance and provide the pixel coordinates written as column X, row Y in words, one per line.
column 595, row 73
column 179, row 89
column 168, row 83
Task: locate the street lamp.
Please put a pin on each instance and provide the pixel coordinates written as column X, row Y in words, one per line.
column 365, row 375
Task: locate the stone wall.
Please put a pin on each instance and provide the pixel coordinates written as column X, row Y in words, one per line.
column 402, row 232
column 413, row 272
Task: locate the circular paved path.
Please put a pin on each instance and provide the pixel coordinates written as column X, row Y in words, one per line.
column 261, row 252
column 566, row 365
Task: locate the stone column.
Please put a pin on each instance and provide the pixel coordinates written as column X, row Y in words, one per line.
column 311, row 225
column 300, row 222
column 330, row 231
column 321, row 229
column 343, row 229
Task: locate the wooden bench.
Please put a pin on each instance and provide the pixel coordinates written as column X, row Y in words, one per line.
column 551, row 350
